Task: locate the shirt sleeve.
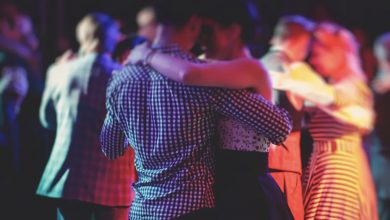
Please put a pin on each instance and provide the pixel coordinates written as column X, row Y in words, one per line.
column 112, row 137
column 352, row 92
column 47, row 112
column 353, row 104
column 252, row 109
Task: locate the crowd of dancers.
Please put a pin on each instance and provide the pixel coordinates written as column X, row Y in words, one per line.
column 182, row 122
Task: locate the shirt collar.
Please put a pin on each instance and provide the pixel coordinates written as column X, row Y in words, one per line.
column 174, row 49
column 169, row 48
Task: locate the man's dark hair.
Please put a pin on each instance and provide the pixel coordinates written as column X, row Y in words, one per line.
column 105, row 29
column 177, row 12
column 292, row 26
column 127, row 44
column 242, row 12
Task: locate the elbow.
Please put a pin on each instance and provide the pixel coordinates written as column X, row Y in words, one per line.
column 188, row 76
column 279, row 139
column 288, row 124
column 284, row 129
column 108, row 148
column 184, row 77
column 285, row 132
column 107, row 152
column 104, row 147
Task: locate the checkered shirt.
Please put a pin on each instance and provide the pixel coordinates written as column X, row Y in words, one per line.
column 74, row 104
column 172, row 128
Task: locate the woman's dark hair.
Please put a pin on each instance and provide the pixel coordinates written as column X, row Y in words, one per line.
column 177, row 12
column 242, row 12
column 126, row 44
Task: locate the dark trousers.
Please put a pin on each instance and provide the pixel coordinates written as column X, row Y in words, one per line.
column 384, row 209
column 245, row 189
column 202, row 214
column 76, row 210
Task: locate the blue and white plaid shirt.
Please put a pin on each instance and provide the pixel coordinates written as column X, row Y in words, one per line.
column 172, row 128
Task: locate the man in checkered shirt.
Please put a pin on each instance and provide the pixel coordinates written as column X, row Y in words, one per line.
column 172, row 127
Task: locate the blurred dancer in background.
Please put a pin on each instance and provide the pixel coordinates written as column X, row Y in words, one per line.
column 380, row 151
column 289, row 47
column 147, row 23
column 85, row 184
column 338, row 181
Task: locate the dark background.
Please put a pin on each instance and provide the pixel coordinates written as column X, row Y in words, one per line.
column 55, row 21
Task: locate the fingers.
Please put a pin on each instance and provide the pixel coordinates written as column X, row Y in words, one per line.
column 65, row 57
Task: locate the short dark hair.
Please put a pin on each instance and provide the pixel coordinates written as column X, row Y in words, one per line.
column 242, row 12
column 383, row 41
column 291, row 26
column 128, row 43
column 105, row 29
column 176, row 12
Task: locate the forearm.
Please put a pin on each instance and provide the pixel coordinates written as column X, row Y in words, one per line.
column 272, row 122
column 358, row 116
column 300, row 79
column 174, row 68
column 112, row 136
column 235, row 74
column 323, row 95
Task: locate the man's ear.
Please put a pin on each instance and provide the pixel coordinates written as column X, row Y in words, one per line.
column 235, row 30
column 195, row 24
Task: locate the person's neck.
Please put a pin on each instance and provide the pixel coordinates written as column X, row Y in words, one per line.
column 242, row 52
column 343, row 73
column 283, row 47
column 168, row 35
column 82, row 53
column 236, row 51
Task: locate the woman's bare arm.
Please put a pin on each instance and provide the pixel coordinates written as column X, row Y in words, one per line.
column 303, row 81
column 235, row 74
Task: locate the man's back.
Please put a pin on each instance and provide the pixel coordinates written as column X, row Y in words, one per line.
column 172, row 129
column 73, row 104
